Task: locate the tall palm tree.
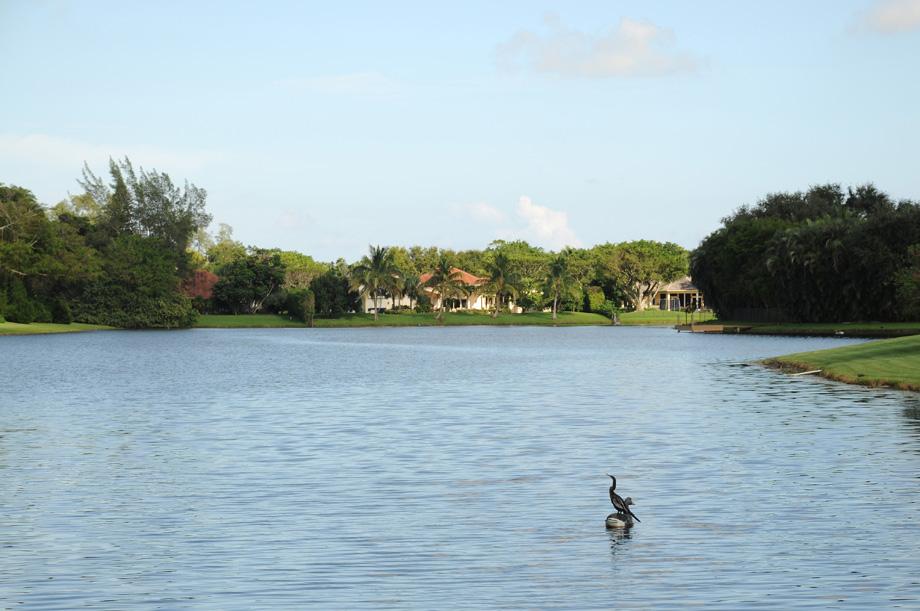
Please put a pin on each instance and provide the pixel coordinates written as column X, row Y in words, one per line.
column 446, row 281
column 374, row 273
column 503, row 280
column 411, row 287
column 559, row 279
column 396, row 287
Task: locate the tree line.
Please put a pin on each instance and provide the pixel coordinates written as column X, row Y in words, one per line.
column 824, row 255
column 133, row 250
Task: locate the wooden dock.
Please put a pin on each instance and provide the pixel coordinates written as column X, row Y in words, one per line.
column 711, row 328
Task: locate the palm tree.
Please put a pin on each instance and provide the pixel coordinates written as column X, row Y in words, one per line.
column 559, row 279
column 446, row 281
column 396, row 287
column 374, row 273
column 503, row 280
column 411, row 287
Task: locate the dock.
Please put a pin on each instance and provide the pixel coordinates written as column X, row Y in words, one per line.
column 711, row 328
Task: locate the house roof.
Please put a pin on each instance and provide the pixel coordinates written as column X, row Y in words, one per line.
column 465, row 277
column 683, row 284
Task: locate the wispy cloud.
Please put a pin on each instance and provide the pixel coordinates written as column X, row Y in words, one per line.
column 537, row 224
column 545, row 225
column 481, row 212
column 891, row 17
column 632, row 48
column 356, row 84
column 55, row 151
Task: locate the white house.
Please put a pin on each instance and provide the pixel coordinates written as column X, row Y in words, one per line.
column 475, row 297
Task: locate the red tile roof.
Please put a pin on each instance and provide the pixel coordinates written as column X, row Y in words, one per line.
column 465, row 277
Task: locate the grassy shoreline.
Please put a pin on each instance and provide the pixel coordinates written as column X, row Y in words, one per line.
column 45, row 328
column 893, row 363
column 845, row 329
column 263, row 321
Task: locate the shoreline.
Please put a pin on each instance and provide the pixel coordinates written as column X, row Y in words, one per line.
column 12, row 329
column 886, row 363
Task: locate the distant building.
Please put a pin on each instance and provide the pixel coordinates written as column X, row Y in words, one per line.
column 679, row 295
column 475, row 298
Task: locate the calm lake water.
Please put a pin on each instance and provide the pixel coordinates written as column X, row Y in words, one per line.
column 447, row 468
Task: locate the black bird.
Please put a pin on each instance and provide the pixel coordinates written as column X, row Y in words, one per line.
column 618, row 503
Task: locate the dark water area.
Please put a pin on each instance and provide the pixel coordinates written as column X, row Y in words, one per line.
column 454, row 468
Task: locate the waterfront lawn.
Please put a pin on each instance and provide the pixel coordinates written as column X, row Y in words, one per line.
column 245, row 321
column 400, row 320
column 854, row 329
column 35, row 328
column 889, row 362
column 662, row 317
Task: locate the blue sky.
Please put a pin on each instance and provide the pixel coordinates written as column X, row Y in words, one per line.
column 323, row 127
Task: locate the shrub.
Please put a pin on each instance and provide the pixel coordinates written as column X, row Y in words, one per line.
column 41, row 313
column 423, row 304
column 20, row 308
column 608, row 309
column 594, row 299
column 60, row 312
column 301, row 305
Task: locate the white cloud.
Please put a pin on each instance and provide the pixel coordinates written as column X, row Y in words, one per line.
column 892, row 16
column 69, row 153
column 482, row 212
column 358, row 83
column 546, row 226
column 632, row 48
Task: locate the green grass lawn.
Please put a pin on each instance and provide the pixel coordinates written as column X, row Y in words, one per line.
column 856, row 329
column 228, row 321
column 889, row 362
column 14, row 328
column 662, row 317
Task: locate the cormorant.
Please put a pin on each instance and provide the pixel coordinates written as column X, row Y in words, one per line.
column 618, row 503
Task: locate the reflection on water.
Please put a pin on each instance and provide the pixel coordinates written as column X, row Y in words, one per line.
column 447, row 468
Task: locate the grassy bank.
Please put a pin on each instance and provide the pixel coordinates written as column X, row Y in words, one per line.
column 36, row 328
column 889, row 362
column 228, row 321
column 661, row 318
column 852, row 329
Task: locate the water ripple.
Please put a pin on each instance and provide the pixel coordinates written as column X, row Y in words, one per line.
column 447, row 468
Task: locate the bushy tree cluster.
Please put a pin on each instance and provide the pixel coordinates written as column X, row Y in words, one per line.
column 114, row 255
column 824, row 255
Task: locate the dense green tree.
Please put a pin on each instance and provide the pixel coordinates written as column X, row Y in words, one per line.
column 148, row 204
column 137, row 287
column 908, row 285
column 332, row 293
column 644, row 266
column 225, row 249
column 817, row 256
column 530, row 264
column 300, row 269
column 245, row 284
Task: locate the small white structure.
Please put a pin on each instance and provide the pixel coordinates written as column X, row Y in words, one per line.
column 679, row 295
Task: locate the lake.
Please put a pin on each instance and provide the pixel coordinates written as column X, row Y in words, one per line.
column 447, row 468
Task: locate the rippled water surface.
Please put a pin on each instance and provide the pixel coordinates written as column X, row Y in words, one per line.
column 447, row 468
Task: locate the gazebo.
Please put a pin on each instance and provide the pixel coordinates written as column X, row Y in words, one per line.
column 680, row 295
